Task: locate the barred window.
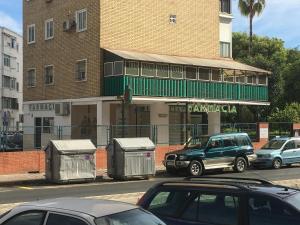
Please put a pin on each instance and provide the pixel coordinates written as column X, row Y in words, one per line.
column 132, row 68
column 216, row 75
column 191, row 72
column 49, row 78
column 177, row 72
column 81, row 70
column 162, row 70
column 148, row 69
column 31, row 78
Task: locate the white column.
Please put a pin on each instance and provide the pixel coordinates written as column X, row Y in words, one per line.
column 101, row 128
column 159, row 115
column 214, row 122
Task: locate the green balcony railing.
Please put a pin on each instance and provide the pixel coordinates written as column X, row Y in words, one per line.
column 148, row 86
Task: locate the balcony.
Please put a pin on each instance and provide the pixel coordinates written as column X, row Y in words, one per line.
column 151, row 75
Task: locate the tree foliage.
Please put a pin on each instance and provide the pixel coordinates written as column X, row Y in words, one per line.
column 291, row 113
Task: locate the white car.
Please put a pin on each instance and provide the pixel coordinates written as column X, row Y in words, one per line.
column 76, row 211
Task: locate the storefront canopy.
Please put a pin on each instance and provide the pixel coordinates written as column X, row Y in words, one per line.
column 192, row 61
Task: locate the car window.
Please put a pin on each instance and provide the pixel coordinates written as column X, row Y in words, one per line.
column 57, row 219
column 168, row 203
column 131, row 217
column 290, row 145
column 297, row 143
column 242, row 140
column 215, row 143
column 229, row 142
column 266, row 211
column 274, row 144
column 213, row 209
column 27, row 218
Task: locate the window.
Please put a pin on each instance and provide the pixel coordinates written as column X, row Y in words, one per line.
column 81, row 70
column 118, row 68
column 225, row 6
column 148, row 69
column 27, row 218
column 251, row 79
column 167, row 203
column 13, row 43
column 243, row 140
column 162, row 70
column 229, row 142
column 203, row 209
column 228, row 75
column 10, row 103
column 81, row 20
column 204, row 74
column 266, row 211
column 49, row 76
column 191, row 73
column 290, row 145
column 262, row 80
column 177, row 72
column 215, row 143
column 57, row 219
column 17, row 86
column 31, row 34
column 172, row 19
column 13, row 83
column 225, row 49
column 108, row 69
column 49, row 29
column 48, row 124
column 31, row 78
column 216, row 75
column 7, row 61
column 240, row 77
column 5, row 81
column 132, row 68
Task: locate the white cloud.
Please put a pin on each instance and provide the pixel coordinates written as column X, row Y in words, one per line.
column 8, row 22
column 279, row 19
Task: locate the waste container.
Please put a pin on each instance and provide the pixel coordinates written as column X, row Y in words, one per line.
column 70, row 160
column 130, row 157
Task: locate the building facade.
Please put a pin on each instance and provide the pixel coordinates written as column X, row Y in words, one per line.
column 11, row 82
column 173, row 57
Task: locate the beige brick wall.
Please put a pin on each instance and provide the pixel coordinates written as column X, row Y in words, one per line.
column 63, row 51
column 143, row 25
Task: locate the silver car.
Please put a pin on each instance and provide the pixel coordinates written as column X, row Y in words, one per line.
column 76, row 211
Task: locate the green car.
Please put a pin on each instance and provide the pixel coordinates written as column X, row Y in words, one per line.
column 215, row 152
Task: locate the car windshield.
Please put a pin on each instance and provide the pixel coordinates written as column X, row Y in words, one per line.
column 294, row 200
column 274, row 144
column 131, row 217
column 195, row 142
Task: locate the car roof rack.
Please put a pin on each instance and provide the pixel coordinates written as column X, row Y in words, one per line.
column 237, row 179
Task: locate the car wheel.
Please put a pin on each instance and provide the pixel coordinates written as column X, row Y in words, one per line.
column 277, row 163
column 240, row 165
column 195, row 168
column 171, row 171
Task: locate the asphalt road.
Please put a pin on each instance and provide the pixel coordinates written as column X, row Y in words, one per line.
column 30, row 192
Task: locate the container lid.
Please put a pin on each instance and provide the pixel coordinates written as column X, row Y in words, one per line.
column 73, row 146
column 135, row 144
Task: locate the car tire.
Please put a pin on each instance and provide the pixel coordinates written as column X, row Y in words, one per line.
column 240, row 165
column 171, row 171
column 277, row 163
column 195, row 168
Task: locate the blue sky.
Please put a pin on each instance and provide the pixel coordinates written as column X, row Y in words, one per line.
column 279, row 19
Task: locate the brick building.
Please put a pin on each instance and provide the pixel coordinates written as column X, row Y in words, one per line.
column 174, row 56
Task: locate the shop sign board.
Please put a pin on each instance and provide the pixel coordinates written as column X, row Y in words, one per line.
column 204, row 108
column 41, row 107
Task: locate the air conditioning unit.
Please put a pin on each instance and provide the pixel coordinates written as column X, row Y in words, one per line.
column 62, row 109
column 69, row 25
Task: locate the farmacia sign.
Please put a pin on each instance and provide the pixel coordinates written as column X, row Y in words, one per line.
column 204, row 108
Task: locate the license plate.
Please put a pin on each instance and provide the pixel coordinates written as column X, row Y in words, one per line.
column 170, row 163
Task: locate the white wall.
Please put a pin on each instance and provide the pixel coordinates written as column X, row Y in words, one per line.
column 214, row 122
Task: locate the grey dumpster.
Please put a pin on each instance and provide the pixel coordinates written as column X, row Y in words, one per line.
column 130, row 157
column 70, row 160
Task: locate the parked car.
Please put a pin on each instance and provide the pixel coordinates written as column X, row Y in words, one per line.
column 279, row 152
column 75, row 211
column 223, row 201
column 216, row 152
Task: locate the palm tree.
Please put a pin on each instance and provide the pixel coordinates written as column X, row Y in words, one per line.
column 250, row 8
